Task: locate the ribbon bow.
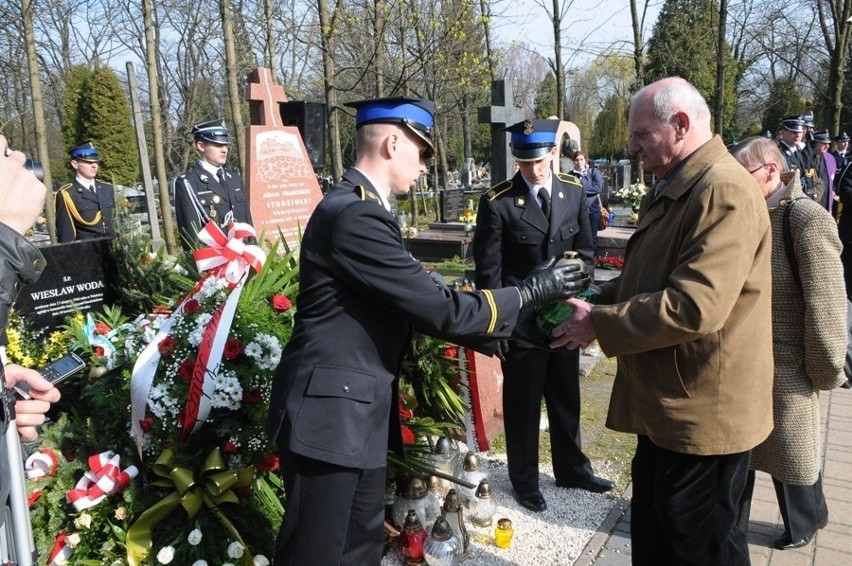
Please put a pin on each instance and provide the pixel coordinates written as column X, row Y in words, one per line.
column 229, row 251
column 41, row 464
column 103, row 478
column 213, row 485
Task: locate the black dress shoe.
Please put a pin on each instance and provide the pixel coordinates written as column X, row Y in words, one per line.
column 591, row 483
column 784, row 543
column 533, row 500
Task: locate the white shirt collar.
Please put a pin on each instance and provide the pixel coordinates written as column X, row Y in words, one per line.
column 548, row 184
column 380, row 190
column 88, row 183
column 212, row 169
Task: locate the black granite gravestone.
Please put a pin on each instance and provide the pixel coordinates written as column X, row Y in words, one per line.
column 78, row 276
column 452, row 204
column 500, row 114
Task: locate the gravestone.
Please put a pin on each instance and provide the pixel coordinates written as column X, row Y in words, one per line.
column 283, row 189
column 452, row 204
column 500, row 114
column 77, row 277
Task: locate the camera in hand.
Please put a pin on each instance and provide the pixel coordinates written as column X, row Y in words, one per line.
column 34, row 165
column 55, row 373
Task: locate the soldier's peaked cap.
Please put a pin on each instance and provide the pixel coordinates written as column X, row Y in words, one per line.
column 822, row 136
column 843, row 136
column 415, row 114
column 85, row 152
column 214, row 131
column 532, row 139
column 793, row 123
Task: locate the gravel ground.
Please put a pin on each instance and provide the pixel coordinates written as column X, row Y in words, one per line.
column 556, row 537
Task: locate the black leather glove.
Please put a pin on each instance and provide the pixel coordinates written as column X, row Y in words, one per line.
column 502, row 350
column 548, row 282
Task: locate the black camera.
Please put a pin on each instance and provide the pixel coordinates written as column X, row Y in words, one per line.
column 34, row 165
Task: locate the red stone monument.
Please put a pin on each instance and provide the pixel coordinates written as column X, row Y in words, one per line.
column 282, row 186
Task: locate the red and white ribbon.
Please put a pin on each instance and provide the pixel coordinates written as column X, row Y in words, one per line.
column 41, row 464
column 228, row 253
column 61, row 551
column 104, row 477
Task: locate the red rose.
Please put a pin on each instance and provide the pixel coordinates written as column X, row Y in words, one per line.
column 281, row 303
column 186, row 369
column 99, row 351
column 167, row 347
column 102, row 328
column 451, row 352
column 146, row 424
column 268, row 464
column 407, row 435
column 252, row 396
column 233, row 348
column 405, row 412
column 191, row 306
column 228, row 447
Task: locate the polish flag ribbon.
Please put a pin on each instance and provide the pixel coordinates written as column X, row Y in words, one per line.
column 104, row 477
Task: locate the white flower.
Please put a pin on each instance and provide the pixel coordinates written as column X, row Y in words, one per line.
column 236, row 550
column 83, row 521
column 261, row 560
column 73, row 540
column 194, row 537
column 199, row 563
column 166, row 555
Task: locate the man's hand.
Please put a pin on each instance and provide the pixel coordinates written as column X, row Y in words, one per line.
column 577, row 331
column 502, row 350
column 547, row 283
column 30, row 413
column 21, row 194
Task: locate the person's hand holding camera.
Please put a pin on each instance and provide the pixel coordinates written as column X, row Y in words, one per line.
column 29, row 413
column 548, row 282
column 21, row 193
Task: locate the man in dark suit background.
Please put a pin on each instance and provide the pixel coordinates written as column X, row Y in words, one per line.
column 520, row 223
column 210, row 190
column 333, row 407
column 85, row 207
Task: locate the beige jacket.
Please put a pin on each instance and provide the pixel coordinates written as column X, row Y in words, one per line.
column 690, row 316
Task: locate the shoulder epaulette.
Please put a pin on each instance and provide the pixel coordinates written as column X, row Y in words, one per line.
column 569, row 179
column 364, row 194
column 498, row 189
column 64, row 187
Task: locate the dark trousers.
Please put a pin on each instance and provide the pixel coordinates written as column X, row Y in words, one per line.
column 803, row 507
column 334, row 515
column 529, row 374
column 685, row 508
column 594, row 222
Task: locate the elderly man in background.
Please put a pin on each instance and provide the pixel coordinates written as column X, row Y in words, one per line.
column 690, row 322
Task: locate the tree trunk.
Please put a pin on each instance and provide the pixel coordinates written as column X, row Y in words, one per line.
column 157, row 126
column 38, row 115
column 232, row 73
column 379, row 7
column 559, row 68
column 330, row 91
column 270, row 38
column 485, row 10
column 837, row 63
column 719, row 103
column 639, row 66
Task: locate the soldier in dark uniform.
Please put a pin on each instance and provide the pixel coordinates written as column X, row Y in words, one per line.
column 841, row 143
column 520, row 223
column 333, row 408
column 209, row 191
column 85, row 208
column 792, row 133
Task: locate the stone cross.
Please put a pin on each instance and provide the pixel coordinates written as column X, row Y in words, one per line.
column 264, row 97
column 500, row 114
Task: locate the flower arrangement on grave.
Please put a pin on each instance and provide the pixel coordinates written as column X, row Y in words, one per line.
column 211, row 491
column 114, row 482
column 632, row 195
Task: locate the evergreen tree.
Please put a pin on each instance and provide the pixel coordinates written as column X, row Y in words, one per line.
column 784, row 100
column 683, row 44
column 96, row 110
column 545, row 97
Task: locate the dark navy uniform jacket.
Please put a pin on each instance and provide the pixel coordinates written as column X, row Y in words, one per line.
column 82, row 214
column 361, row 293
column 512, row 235
column 200, row 197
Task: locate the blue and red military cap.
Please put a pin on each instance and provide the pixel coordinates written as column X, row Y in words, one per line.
column 532, row 139
column 416, row 114
column 214, row 131
column 85, row 152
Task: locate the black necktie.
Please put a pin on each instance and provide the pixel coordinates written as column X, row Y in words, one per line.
column 545, row 202
column 220, row 174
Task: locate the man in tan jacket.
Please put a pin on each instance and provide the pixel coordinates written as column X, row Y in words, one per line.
column 690, row 322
